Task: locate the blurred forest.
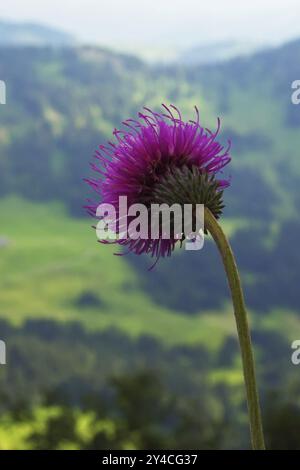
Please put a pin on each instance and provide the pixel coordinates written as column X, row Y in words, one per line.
column 102, row 353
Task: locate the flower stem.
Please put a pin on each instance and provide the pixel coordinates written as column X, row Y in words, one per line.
column 240, row 313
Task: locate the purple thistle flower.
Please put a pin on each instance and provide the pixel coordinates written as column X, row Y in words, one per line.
column 145, row 155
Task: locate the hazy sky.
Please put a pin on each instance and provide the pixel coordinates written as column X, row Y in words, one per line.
column 163, row 23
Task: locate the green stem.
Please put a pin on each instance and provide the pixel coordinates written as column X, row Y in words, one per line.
column 240, row 313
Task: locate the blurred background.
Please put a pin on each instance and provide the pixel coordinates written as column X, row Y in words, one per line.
column 102, row 353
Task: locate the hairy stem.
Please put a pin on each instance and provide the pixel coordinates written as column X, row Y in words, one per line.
column 240, row 313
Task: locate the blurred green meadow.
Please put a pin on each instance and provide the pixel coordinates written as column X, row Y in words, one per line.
column 53, row 263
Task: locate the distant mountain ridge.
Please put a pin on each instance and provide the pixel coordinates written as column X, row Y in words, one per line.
column 33, row 34
column 36, row 34
column 214, row 52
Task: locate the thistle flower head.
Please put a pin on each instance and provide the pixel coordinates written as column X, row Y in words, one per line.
column 160, row 158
